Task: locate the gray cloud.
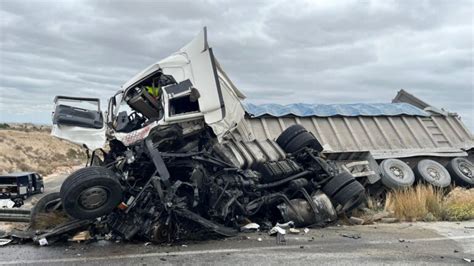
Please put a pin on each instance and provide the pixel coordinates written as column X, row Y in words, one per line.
column 275, row 51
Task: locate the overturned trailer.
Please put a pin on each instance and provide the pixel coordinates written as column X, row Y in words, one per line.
column 390, row 130
column 177, row 152
column 407, row 129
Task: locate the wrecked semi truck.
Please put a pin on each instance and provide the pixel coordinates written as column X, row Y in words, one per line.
column 175, row 164
column 183, row 155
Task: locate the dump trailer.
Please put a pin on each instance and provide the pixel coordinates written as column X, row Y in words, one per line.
column 185, row 153
column 392, row 130
column 398, row 130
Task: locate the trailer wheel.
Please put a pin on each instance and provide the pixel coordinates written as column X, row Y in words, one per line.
column 462, row 171
column 351, row 196
column 90, row 192
column 49, row 203
column 396, row 174
column 433, row 173
column 288, row 134
column 337, row 183
column 305, row 139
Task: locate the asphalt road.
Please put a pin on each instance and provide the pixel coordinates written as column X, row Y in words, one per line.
column 419, row 243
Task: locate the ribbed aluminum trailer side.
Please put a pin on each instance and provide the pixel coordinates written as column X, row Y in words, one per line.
column 384, row 136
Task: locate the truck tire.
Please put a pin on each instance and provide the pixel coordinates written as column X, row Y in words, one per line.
column 304, row 139
column 90, row 192
column 82, row 173
column 432, row 172
column 350, row 196
column 462, row 171
column 288, row 134
column 48, row 203
column 396, row 174
column 337, row 183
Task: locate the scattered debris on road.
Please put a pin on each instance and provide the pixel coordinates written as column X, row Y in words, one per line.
column 4, row 242
column 353, row 236
column 81, row 236
column 250, row 227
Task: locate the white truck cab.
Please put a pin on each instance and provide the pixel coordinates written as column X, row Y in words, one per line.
column 192, row 86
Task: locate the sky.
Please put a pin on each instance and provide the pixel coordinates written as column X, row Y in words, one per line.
column 324, row 52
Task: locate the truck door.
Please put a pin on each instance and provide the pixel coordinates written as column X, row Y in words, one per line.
column 39, row 186
column 79, row 120
column 22, row 186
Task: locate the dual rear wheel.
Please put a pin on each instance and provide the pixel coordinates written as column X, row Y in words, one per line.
column 296, row 137
column 342, row 189
column 345, row 190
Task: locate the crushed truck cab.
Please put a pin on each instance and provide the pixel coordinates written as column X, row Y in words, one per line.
column 192, row 87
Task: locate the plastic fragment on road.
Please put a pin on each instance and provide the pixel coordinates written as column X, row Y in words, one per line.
column 250, row 227
column 306, row 230
column 286, row 225
column 43, row 242
column 353, row 236
column 277, row 230
column 294, row 231
column 81, row 236
column 6, row 203
column 4, row 242
column 356, row 220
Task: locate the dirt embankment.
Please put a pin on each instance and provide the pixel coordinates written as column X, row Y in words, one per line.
column 26, row 147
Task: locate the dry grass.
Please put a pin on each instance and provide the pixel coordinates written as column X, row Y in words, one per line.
column 424, row 202
column 29, row 148
column 459, row 205
column 49, row 220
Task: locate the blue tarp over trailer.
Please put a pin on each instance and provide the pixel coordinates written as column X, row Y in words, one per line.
column 328, row 110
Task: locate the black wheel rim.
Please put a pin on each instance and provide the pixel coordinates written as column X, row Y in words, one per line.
column 93, row 197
